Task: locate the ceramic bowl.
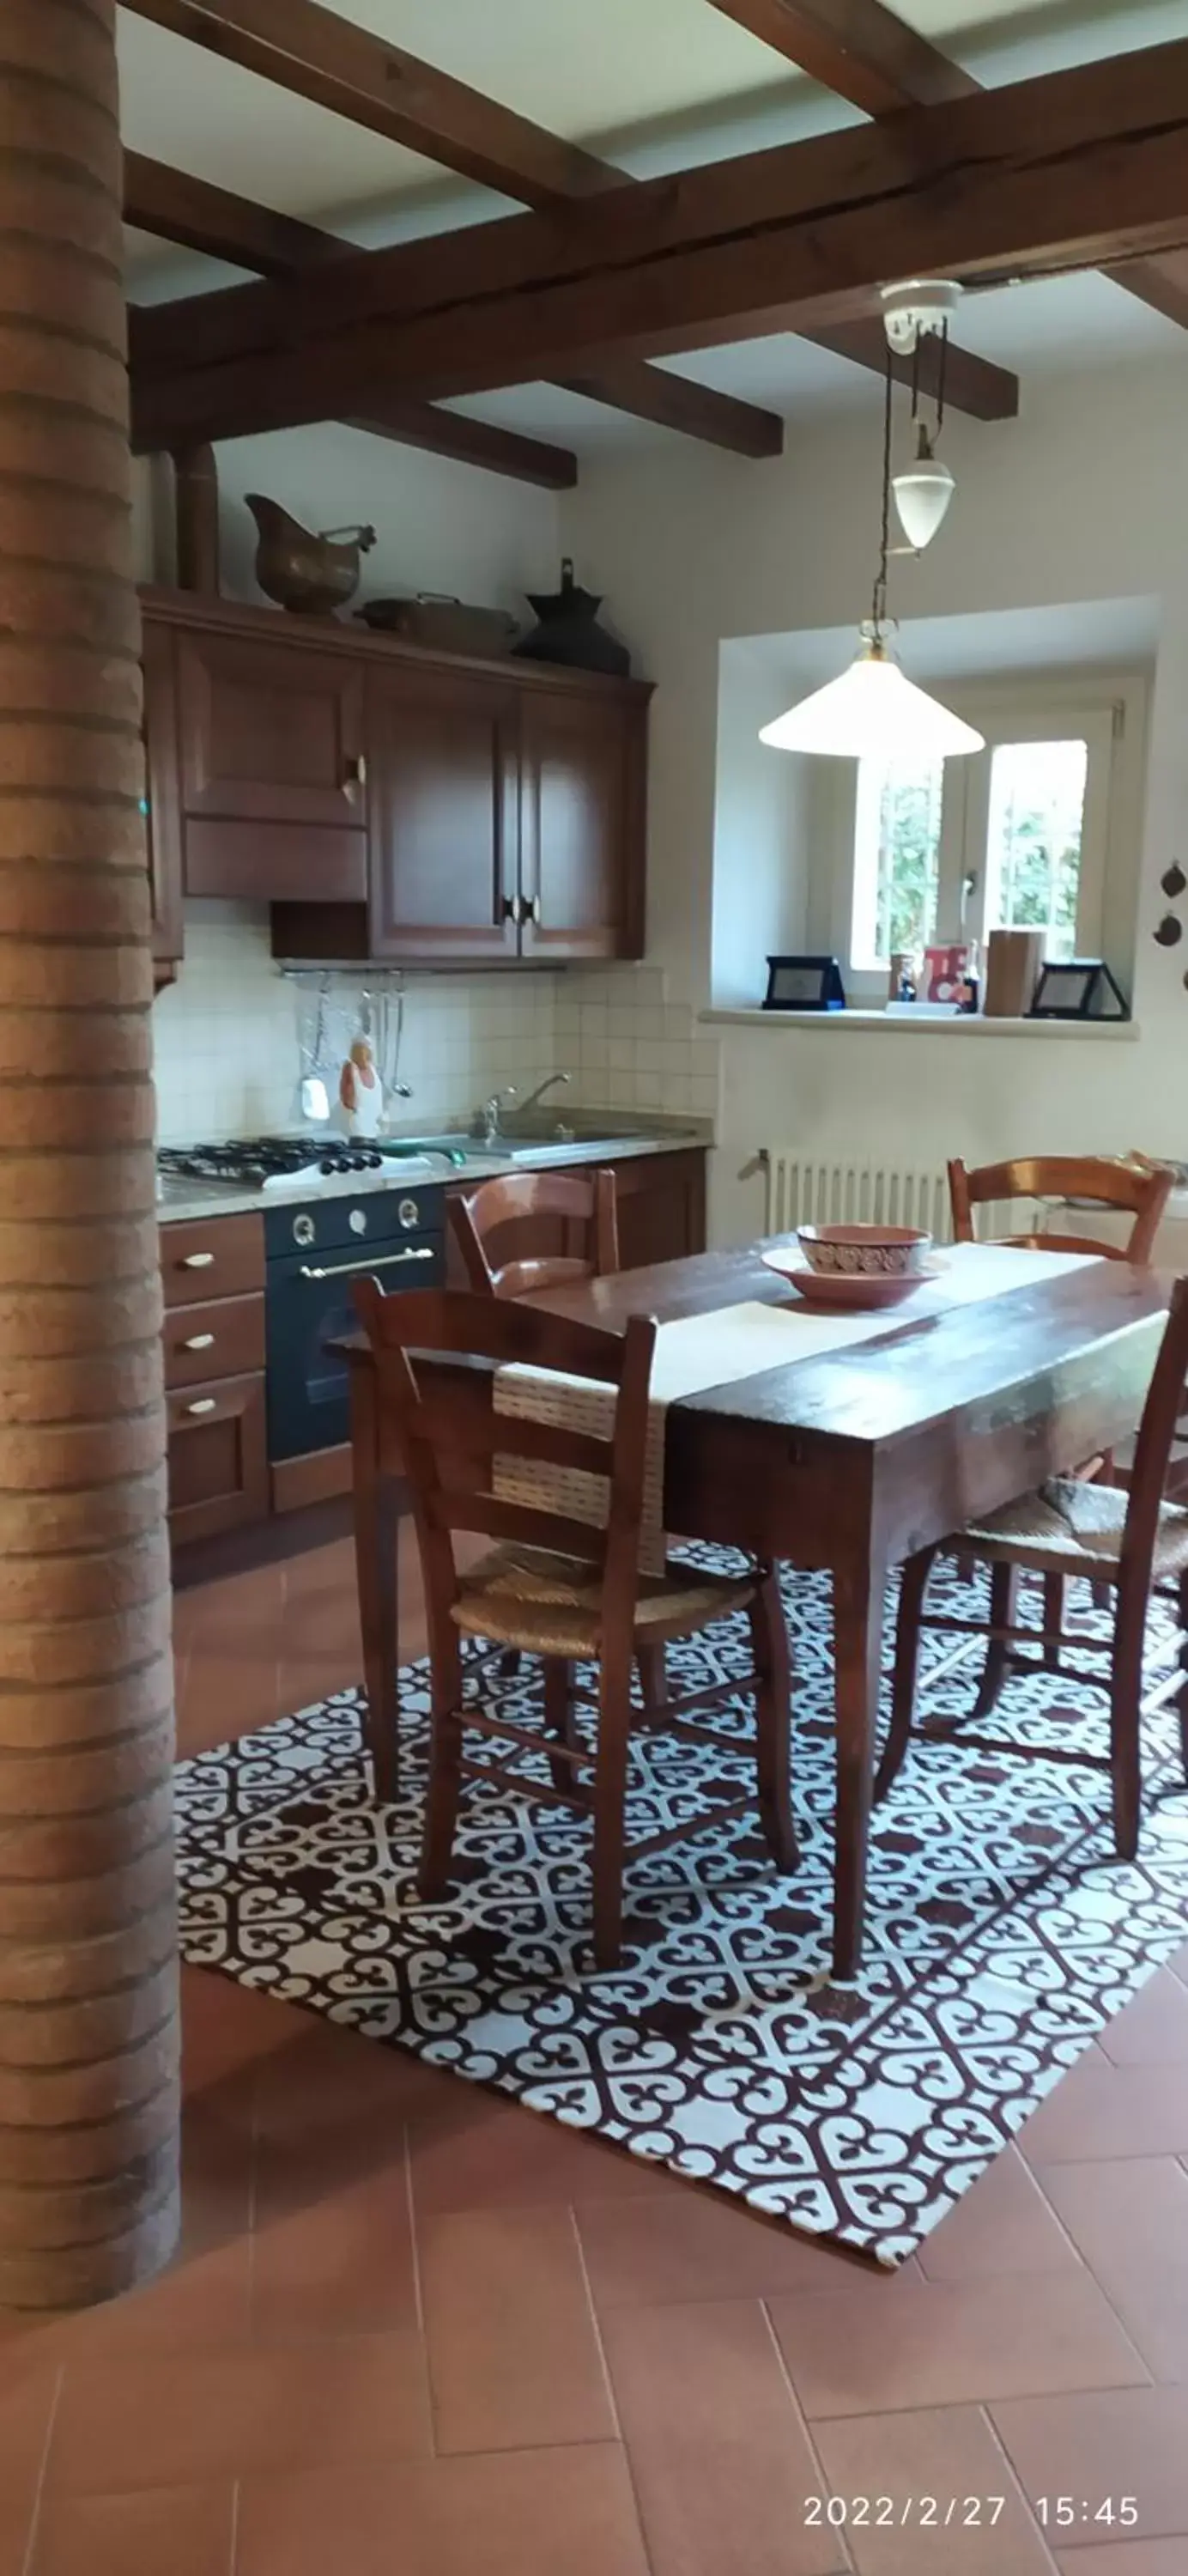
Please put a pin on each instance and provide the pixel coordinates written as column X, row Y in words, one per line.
column 864, row 1251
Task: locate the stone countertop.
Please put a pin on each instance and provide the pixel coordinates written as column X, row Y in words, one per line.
column 182, row 1199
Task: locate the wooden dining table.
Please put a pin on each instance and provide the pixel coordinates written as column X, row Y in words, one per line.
column 845, row 1462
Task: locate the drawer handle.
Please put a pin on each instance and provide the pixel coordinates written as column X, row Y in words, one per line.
column 362, row 1269
column 202, row 1404
column 199, row 1342
column 196, row 1260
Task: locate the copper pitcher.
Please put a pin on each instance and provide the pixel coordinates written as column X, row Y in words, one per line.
column 311, row 574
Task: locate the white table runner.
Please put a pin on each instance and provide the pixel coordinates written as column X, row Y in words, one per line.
column 717, row 1349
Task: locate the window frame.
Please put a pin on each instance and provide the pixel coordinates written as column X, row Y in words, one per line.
column 1108, row 712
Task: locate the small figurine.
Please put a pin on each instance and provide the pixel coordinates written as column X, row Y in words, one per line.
column 360, row 1103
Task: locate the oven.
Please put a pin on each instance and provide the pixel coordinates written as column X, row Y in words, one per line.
column 315, row 1251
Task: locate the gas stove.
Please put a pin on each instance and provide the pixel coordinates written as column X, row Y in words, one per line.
column 310, row 1165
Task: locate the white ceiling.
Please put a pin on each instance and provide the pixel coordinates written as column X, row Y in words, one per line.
column 654, row 84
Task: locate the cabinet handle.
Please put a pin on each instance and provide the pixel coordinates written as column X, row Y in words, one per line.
column 359, row 1269
column 513, row 908
column 202, row 1404
column 199, row 1342
column 196, row 1260
column 533, row 910
column 356, row 774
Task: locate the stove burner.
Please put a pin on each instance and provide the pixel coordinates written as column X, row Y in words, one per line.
column 253, row 1161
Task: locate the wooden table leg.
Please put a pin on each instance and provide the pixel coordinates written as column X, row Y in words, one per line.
column 859, row 1594
column 376, row 1519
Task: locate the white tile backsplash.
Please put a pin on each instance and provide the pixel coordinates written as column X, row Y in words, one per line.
column 226, row 1038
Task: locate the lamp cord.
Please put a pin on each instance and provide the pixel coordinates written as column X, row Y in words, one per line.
column 880, row 588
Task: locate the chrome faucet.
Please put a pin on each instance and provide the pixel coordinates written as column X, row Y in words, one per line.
column 535, row 1097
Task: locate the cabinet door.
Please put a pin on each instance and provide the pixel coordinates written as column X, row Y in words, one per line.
column 218, row 1457
column 661, row 1201
column 162, row 817
column 443, row 815
column 271, row 732
column 582, row 824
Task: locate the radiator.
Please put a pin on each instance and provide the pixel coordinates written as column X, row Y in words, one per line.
column 804, row 1191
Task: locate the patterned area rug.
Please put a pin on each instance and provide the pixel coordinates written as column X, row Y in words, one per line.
column 1002, row 1935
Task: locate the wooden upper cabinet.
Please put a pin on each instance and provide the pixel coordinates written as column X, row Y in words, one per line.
column 443, row 813
column 582, row 824
column 162, row 813
column 270, row 732
column 273, row 769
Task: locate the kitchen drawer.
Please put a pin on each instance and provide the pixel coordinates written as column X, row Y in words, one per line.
column 212, row 1256
column 222, row 1338
column 218, row 1457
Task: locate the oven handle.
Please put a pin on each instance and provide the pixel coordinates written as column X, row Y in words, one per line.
column 357, row 1269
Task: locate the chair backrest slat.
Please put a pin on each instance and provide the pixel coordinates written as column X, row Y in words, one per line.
column 451, row 1440
column 1127, row 1186
column 492, row 1227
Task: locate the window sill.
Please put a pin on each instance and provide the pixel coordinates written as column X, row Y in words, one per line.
column 898, row 1025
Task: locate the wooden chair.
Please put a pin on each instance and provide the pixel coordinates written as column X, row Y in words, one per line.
column 1107, row 1181
column 1126, row 1540
column 516, row 1202
column 554, row 1586
column 1133, row 1187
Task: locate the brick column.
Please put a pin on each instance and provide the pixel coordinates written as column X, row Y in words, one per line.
column 88, row 2114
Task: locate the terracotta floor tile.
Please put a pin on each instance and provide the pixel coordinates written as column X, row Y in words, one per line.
column 228, row 2030
column 722, row 2464
column 172, row 2531
column 470, row 2149
column 1153, row 2030
column 948, row 2454
column 29, row 2393
column 1126, row 2442
column 513, row 2355
column 645, row 2252
column 244, row 1603
column 1003, row 2225
column 333, row 2250
column 171, row 2422
column 1125, row 2558
column 1130, row 2220
column 938, row 2343
column 1100, row 2110
column 520, row 2513
column 326, row 2080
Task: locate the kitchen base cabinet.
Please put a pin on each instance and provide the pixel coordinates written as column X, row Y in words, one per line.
column 218, row 1457
column 661, row 1208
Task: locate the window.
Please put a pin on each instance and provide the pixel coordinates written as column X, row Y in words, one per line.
column 1013, row 838
column 1034, row 839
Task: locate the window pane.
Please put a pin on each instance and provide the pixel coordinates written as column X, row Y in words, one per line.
column 896, row 858
column 1033, row 852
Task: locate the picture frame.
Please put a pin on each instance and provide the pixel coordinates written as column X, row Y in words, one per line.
column 948, row 966
column 804, row 984
column 1078, row 988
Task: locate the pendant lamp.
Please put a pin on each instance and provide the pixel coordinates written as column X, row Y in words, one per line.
column 873, row 708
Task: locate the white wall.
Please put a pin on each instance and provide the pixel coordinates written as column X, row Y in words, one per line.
column 761, row 831
column 1082, row 499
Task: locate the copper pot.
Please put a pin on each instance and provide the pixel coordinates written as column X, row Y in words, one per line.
column 312, row 575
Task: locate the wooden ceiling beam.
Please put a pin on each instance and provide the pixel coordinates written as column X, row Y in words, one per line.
column 189, row 211
column 341, row 66
column 313, row 52
column 856, row 48
column 866, row 54
column 1054, row 172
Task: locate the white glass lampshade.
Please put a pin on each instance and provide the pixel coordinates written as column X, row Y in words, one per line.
column 872, row 708
column 922, row 496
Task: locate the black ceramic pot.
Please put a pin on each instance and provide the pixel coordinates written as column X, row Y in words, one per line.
column 569, row 632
